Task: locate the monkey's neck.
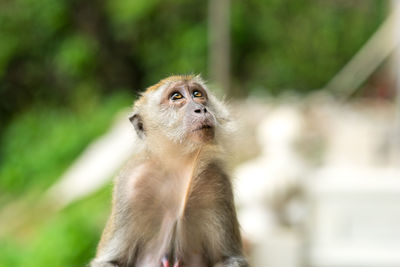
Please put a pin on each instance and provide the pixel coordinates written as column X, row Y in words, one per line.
column 187, row 188
column 183, row 168
column 172, row 161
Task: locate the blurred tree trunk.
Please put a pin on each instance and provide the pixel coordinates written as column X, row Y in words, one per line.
column 116, row 68
column 219, row 43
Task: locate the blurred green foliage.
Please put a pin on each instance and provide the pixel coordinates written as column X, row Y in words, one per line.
column 40, row 143
column 67, row 66
column 49, row 48
column 68, row 238
column 36, row 148
column 298, row 45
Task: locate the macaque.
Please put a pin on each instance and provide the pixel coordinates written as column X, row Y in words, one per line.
column 173, row 203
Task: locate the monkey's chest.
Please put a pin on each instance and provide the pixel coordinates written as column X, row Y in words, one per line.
column 175, row 222
column 164, row 203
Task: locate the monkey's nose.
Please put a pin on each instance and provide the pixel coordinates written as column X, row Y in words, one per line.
column 204, row 110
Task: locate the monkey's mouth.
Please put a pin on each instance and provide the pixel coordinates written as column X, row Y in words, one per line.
column 203, row 127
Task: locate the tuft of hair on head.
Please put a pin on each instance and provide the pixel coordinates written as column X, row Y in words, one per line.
column 171, row 79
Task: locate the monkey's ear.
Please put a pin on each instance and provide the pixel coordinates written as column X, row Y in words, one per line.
column 137, row 122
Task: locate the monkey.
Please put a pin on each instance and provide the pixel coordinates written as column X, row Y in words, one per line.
column 173, row 203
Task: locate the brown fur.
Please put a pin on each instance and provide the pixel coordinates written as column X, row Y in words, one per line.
column 174, row 199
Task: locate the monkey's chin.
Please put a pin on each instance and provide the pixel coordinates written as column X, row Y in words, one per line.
column 203, row 135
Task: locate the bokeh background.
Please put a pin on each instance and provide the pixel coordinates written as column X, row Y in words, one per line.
column 312, row 82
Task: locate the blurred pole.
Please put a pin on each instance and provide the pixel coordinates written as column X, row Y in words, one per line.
column 396, row 32
column 219, row 39
column 379, row 47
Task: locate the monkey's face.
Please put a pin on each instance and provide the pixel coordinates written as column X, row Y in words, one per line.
column 185, row 105
column 180, row 110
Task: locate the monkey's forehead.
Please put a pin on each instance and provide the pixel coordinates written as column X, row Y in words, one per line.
column 174, row 79
column 154, row 92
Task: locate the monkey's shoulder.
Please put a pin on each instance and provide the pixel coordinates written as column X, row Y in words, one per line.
column 135, row 173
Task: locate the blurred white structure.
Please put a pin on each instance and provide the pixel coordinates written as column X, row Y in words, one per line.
column 351, row 204
column 355, row 217
column 354, row 197
column 96, row 165
column 265, row 185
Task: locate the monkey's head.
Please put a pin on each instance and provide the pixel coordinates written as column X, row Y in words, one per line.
column 180, row 110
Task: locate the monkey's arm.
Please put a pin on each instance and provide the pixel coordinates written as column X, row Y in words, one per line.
column 105, row 256
column 230, row 224
column 115, row 248
column 235, row 258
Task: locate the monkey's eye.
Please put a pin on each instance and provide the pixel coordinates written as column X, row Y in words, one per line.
column 176, row 96
column 197, row 94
